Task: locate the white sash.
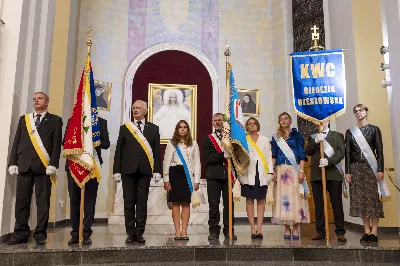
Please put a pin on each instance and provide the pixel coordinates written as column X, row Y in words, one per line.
column 137, row 134
column 304, row 190
column 383, row 190
column 329, row 151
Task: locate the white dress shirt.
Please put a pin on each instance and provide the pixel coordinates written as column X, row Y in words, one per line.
column 141, row 125
column 41, row 117
column 192, row 156
column 248, row 177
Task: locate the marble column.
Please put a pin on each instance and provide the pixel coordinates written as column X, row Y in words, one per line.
column 390, row 29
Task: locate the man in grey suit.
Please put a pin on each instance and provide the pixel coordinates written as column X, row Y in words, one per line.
column 334, row 147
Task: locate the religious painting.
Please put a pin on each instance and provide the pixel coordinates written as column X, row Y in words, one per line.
column 103, row 95
column 169, row 103
column 249, row 101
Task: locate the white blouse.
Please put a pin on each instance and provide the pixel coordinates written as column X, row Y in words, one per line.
column 191, row 154
column 248, row 177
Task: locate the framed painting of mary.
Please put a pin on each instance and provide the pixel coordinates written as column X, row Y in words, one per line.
column 170, row 103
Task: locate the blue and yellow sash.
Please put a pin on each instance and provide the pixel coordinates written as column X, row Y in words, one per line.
column 185, row 166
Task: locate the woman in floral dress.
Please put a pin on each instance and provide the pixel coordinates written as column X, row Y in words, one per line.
column 289, row 208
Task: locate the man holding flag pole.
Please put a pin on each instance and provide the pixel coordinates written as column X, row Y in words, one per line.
column 83, row 135
column 233, row 136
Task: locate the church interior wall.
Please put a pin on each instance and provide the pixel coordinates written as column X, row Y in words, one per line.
column 260, row 37
column 368, row 39
column 357, row 26
column 124, row 28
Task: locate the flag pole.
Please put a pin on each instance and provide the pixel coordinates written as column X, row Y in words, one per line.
column 316, row 47
column 321, row 147
column 227, row 53
column 82, row 207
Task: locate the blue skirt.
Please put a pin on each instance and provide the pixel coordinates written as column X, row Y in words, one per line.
column 256, row 191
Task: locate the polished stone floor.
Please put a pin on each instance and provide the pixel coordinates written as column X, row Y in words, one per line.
column 162, row 235
column 109, row 248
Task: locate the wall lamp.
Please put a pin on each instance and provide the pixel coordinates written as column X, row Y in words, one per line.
column 386, row 83
column 384, row 67
column 384, row 50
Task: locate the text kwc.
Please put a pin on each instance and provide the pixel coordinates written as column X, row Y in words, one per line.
column 319, row 70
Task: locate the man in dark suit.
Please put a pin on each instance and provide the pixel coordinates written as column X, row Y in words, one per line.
column 26, row 164
column 217, row 180
column 132, row 165
column 90, row 193
column 334, row 178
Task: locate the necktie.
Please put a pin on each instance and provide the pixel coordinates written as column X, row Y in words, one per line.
column 218, row 135
column 138, row 125
column 37, row 121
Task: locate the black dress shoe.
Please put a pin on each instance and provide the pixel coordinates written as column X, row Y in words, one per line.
column 234, row 237
column 87, row 241
column 40, row 242
column 260, row 236
column 17, row 241
column 373, row 239
column 213, row 236
column 253, row 236
column 364, row 238
column 140, row 239
column 130, row 239
column 73, row 241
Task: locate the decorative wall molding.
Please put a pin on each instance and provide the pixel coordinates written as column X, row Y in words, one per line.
column 139, row 59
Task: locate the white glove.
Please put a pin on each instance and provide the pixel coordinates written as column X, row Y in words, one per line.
column 323, row 162
column 227, row 154
column 50, row 170
column 320, row 137
column 270, row 178
column 156, row 177
column 117, row 177
column 13, row 170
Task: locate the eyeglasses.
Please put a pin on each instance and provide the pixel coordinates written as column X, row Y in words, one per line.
column 358, row 111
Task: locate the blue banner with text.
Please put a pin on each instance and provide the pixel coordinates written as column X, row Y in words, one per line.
column 319, row 84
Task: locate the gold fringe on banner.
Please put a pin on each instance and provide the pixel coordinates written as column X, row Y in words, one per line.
column 80, row 185
column 316, row 121
column 75, row 151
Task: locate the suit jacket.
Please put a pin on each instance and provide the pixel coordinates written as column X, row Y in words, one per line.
column 24, row 155
column 104, row 140
column 129, row 155
column 336, row 140
column 215, row 168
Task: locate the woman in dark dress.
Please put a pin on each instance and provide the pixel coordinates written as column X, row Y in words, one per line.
column 180, row 186
column 256, row 178
column 364, row 196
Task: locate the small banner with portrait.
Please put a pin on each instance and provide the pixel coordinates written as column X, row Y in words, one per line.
column 318, row 84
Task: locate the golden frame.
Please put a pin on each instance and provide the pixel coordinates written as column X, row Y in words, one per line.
column 256, row 101
column 154, row 92
column 107, row 88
